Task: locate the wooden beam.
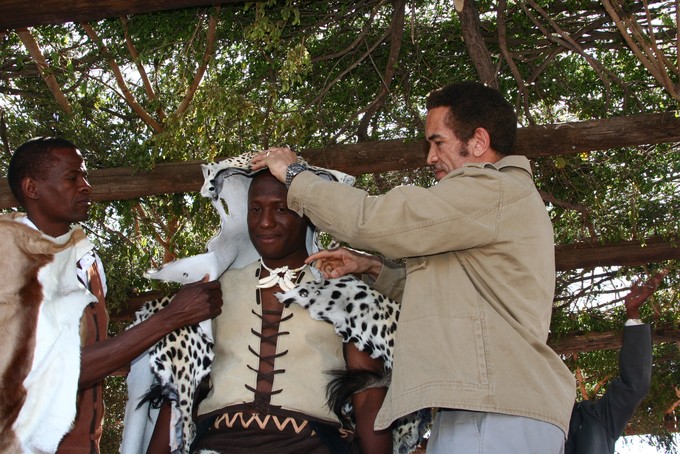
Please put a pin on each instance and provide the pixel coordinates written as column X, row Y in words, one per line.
column 532, row 142
column 585, row 136
column 374, row 157
column 22, row 13
column 610, row 340
column 623, row 253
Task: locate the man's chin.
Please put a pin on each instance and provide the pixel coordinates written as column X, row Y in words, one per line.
column 82, row 217
column 439, row 174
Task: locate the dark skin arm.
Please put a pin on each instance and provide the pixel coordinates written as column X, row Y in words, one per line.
column 160, row 440
column 639, row 293
column 192, row 304
column 367, row 404
column 336, row 263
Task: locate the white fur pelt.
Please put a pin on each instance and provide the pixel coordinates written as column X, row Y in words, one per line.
column 369, row 320
column 39, row 276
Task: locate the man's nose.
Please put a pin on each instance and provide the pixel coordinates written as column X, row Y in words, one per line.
column 267, row 218
column 85, row 186
column 431, row 155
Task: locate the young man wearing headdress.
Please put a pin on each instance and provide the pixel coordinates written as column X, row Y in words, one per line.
column 269, row 376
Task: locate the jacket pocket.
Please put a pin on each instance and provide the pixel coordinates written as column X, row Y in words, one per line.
column 442, row 330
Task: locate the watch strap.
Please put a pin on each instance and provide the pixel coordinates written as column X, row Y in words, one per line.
column 291, row 172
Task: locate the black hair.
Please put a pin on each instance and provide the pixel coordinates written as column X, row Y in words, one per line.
column 473, row 105
column 32, row 158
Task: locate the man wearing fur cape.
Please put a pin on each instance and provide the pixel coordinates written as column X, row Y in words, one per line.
column 53, row 307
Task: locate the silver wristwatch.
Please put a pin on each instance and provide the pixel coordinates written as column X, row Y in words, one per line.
column 292, row 170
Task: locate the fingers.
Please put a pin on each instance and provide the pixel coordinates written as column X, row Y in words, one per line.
column 653, row 282
column 340, row 271
column 259, row 161
column 657, row 278
column 266, row 157
column 639, row 293
column 332, row 268
column 276, row 159
column 326, row 266
column 324, row 254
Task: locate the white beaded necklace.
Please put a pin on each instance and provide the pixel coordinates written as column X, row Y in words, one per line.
column 283, row 276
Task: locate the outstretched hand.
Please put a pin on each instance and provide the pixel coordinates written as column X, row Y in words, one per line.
column 191, row 305
column 341, row 261
column 195, row 302
column 639, row 293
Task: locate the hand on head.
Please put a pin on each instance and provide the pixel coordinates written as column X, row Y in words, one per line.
column 335, row 263
column 276, row 159
column 639, row 293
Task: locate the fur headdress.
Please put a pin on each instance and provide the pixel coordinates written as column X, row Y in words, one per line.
column 226, row 183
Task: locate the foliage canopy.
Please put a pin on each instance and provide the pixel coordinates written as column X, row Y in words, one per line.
column 202, row 83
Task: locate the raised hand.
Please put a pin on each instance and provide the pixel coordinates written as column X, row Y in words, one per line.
column 276, row 159
column 639, row 293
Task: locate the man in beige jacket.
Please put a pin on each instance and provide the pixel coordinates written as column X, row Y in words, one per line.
column 478, row 282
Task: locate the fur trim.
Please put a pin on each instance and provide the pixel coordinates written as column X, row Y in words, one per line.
column 345, row 383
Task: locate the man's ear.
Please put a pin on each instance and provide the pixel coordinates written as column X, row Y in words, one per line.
column 30, row 188
column 481, row 142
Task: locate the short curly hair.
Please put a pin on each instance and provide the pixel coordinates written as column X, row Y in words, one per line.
column 473, row 105
column 32, row 158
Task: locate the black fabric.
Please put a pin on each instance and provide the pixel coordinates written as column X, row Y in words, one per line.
column 596, row 425
column 330, row 436
column 202, row 426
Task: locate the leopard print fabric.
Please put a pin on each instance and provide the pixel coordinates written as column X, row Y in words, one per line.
column 179, row 361
column 367, row 318
column 214, row 173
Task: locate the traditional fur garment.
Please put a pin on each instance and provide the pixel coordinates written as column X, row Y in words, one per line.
column 41, row 303
column 368, row 319
column 226, row 184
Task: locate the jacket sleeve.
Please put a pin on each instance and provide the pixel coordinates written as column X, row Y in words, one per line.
column 391, row 280
column 625, row 392
column 459, row 212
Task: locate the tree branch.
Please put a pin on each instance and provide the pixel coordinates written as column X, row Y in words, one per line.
column 207, row 55
column 354, row 44
column 140, row 68
column 37, row 56
column 474, row 43
column 122, row 85
column 503, row 45
column 650, row 56
column 396, row 34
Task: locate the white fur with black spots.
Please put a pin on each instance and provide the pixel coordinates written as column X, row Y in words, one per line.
column 179, row 361
column 369, row 319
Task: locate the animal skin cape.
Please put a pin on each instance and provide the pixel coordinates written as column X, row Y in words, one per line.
column 41, row 303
